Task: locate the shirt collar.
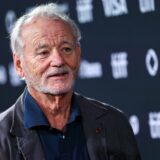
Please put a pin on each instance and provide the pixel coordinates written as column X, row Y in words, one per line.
column 34, row 117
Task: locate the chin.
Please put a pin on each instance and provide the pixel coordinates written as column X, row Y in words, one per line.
column 59, row 92
column 56, row 90
column 59, row 89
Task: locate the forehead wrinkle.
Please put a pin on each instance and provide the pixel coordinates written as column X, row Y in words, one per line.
column 42, row 41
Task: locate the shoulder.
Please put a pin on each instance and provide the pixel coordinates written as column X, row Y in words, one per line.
column 115, row 123
column 110, row 115
column 96, row 105
column 6, row 119
column 7, row 114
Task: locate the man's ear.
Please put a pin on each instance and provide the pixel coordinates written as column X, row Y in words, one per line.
column 18, row 64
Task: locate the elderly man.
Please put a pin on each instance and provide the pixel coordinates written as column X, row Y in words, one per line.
column 49, row 120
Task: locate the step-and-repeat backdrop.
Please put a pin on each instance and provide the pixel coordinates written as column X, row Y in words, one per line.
column 120, row 59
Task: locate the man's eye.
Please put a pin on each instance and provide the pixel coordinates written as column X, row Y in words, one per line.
column 43, row 53
column 67, row 50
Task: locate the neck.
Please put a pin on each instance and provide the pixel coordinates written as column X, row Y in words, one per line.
column 55, row 107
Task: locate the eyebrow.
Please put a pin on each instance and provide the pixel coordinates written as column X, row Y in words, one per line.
column 67, row 42
column 42, row 46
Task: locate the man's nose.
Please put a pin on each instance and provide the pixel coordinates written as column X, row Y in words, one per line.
column 56, row 58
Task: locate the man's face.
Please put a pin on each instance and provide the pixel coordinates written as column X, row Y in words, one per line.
column 50, row 57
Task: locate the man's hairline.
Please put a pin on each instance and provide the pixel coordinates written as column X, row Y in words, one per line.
column 30, row 20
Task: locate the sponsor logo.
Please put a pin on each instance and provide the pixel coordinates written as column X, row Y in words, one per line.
column 114, row 7
column 154, row 124
column 134, row 121
column 146, row 6
column 119, row 64
column 152, row 63
column 84, row 11
column 90, row 70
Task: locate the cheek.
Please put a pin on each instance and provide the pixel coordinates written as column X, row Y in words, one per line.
column 34, row 68
column 73, row 62
column 39, row 68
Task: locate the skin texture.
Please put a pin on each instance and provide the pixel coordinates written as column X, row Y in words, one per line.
column 49, row 64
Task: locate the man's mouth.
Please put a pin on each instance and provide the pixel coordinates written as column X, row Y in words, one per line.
column 58, row 74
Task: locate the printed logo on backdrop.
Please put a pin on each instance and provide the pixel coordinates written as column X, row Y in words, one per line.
column 90, row 69
column 84, row 11
column 134, row 121
column 111, row 8
column 152, row 63
column 10, row 18
column 146, row 6
column 154, row 124
column 14, row 79
column 119, row 64
column 3, row 75
column 114, row 7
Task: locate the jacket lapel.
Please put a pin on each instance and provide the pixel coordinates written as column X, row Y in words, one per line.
column 30, row 146
column 28, row 141
column 92, row 117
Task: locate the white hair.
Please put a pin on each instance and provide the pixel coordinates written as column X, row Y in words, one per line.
column 50, row 10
